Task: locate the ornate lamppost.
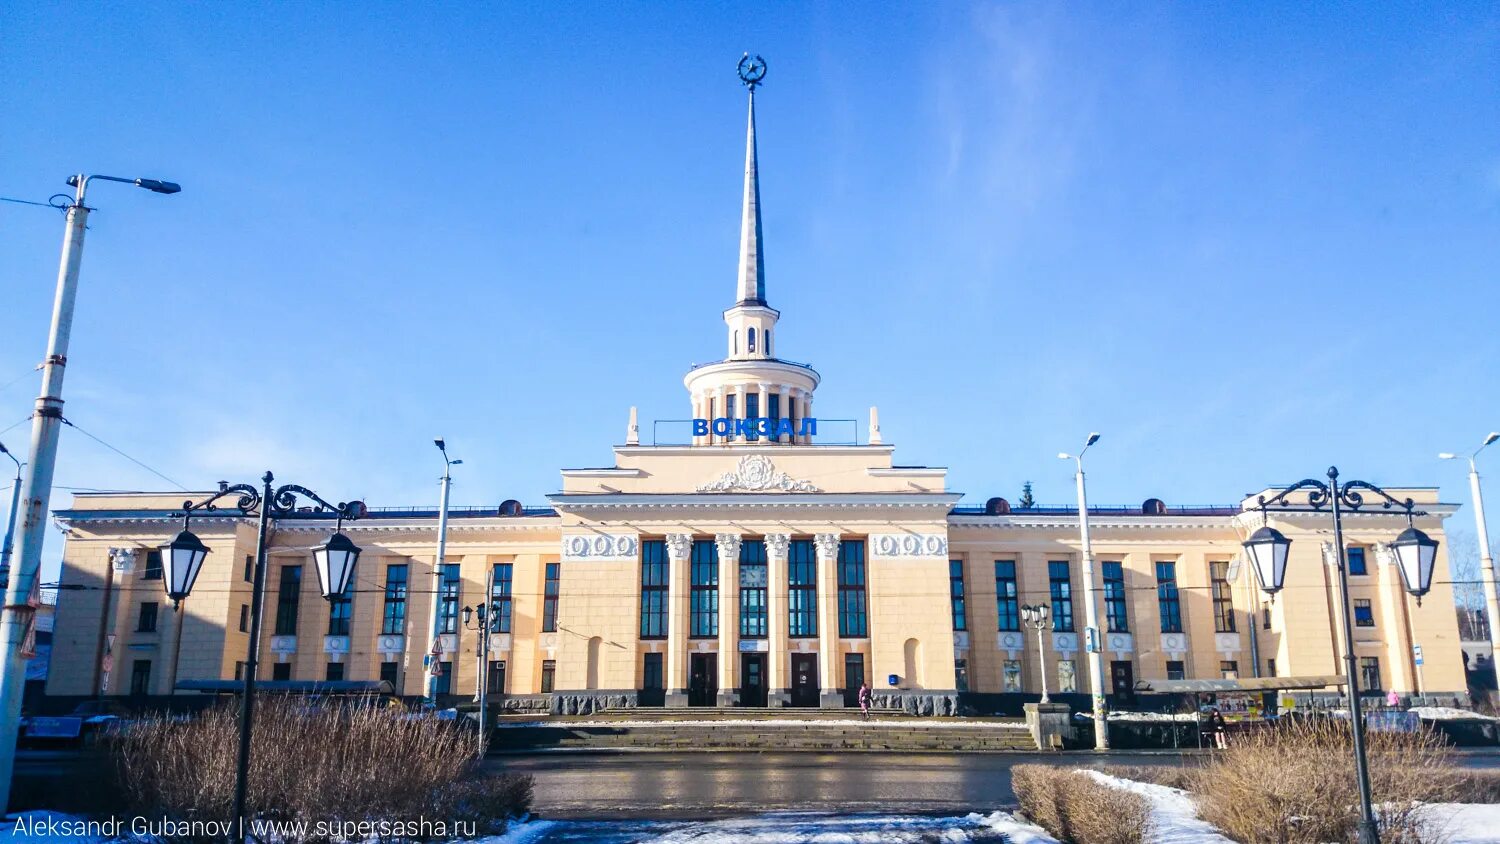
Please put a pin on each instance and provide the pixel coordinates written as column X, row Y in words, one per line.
column 1415, row 554
column 482, row 617
column 183, row 557
column 1036, row 617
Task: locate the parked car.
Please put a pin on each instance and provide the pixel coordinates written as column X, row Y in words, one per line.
column 81, row 727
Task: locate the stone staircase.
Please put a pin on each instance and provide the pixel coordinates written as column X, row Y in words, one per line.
column 759, row 730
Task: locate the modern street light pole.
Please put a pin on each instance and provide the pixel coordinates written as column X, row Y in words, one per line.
column 1091, row 629
column 10, row 524
column 183, row 558
column 1486, row 557
column 1415, row 554
column 434, row 665
column 1036, row 618
column 36, row 498
column 485, row 615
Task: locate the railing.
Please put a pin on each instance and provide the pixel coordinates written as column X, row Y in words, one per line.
column 797, row 364
column 1102, row 510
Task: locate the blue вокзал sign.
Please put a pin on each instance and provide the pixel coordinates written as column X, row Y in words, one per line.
column 755, row 427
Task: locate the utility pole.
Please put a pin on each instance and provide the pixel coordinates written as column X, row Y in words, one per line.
column 36, row 498
column 1093, row 644
column 434, row 653
column 10, row 525
column 1486, row 557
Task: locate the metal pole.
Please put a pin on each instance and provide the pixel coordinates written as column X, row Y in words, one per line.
column 1368, row 831
column 1486, row 569
column 10, row 525
column 1041, row 656
column 437, row 583
column 46, row 424
column 252, row 652
column 484, row 678
column 1091, row 628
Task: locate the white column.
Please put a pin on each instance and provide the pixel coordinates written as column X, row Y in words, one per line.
column 806, row 413
column 679, row 548
column 719, row 394
column 778, row 680
column 831, row 696
column 729, row 617
column 739, row 402
column 786, row 405
column 763, row 409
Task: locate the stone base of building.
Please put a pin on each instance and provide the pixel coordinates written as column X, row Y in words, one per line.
column 728, row 697
column 926, row 702
column 590, row 702
column 778, row 698
column 1051, row 724
column 676, row 699
column 831, row 700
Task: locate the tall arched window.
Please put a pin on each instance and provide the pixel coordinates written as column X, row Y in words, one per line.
column 768, row 342
column 751, row 338
column 736, row 346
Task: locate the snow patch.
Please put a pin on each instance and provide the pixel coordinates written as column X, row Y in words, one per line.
column 773, row 722
column 1448, row 713
column 1174, row 815
column 784, row 828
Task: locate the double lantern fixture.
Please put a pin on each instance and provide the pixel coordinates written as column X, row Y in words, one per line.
column 1415, row 552
column 183, row 557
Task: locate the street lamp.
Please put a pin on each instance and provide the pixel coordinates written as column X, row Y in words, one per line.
column 10, row 525
column 485, row 614
column 184, row 555
column 1415, row 552
column 1036, row 617
column 1486, row 559
column 434, row 663
column 1091, row 627
column 41, row 462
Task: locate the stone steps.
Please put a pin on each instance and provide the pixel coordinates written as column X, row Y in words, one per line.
column 746, row 736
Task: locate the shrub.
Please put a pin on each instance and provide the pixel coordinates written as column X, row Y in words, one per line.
column 1078, row 809
column 346, row 763
column 1296, row 783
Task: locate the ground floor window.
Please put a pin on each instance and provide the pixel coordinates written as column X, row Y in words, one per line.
column 1175, row 670
column 281, row 671
column 1270, row 668
column 389, row 672
column 1229, row 669
column 1067, row 675
column 961, row 674
column 140, row 677
column 445, row 678
column 334, row 672
column 1369, row 673
column 239, row 670
column 549, row 675
column 1012, row 674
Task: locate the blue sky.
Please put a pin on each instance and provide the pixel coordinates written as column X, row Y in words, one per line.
column 1244, row 241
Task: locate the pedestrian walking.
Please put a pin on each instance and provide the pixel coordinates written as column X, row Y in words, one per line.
column 1393, row 699
column 864, row 700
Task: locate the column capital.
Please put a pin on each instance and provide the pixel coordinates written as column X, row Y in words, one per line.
column 778, row 544
column 827, row 544
column 679, row 545
column 729, row 545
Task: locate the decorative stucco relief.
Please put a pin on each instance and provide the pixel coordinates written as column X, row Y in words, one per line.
column 909, row 545
column 756, row 473
column 600, row 546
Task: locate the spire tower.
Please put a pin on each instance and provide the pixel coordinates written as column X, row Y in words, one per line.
column 752, row 278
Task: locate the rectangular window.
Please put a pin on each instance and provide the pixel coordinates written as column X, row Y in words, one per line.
column 753, row 579
column 853, row 615
column 956, row 594
column 340, row 609
column 1167, row 599
column 393, row 618
column 651, row 674
column 1114, row 597
column 445, row 678
column 390, row 672
column 146, row 622
column 549, row 675
column 961, row 675
column 494, row 684
column 1369, row 673
column 654, row 573
column 1355, row 558
column 1265, row 618
column 1012, row 674
column 239, row 671
column 802, row 581
column 1175, row 670
column 1067, row 676
column 153, row 566
column 1364, row 614
column 500, row 592
column 288, row 594
column 333, row 672
column 1062, row 596
column 140, row 677
column 729, row 410
column 244, row 618
column 249, row 574
column 1007, row 604
column 704, row 589
column 774, row 400
column 281, row 671
column 1223, row 595
column 1270, row 668
column 549, row 598
column 448, row 591
column 752, row 410
column 1229, row 669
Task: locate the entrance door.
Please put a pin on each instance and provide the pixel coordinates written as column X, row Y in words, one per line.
column 804, row 680
column 653, row 687
column 854, row 677
column 703, row 679
column 752, row 679
column 1122, row 680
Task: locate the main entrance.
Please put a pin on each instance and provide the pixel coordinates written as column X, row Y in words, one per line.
column 703, row 679
column 752, row 679
column 804, row 680
column 854, row 677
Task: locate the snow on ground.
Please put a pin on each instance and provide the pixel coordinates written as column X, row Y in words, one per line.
column 1150, row 716
column 784, row 828
column 1174, row 815
column 775, row 722
column 1448, row 713
column 1463, row 823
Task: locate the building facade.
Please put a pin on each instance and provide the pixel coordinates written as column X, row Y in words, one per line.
column 751, row 563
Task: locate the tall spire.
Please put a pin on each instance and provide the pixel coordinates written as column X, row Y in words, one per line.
column 752, row 275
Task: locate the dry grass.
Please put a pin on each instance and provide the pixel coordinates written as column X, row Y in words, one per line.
column 1077, row 809
column 1296, row 783
column 329, row 763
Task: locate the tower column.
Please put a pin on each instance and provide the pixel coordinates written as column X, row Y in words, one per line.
column 729, row 618
column 786, row 405
column 831, row 696
column 778, row 681
column 720, row 393
column 739, row 403
column 764, row 410
column 679, row 548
